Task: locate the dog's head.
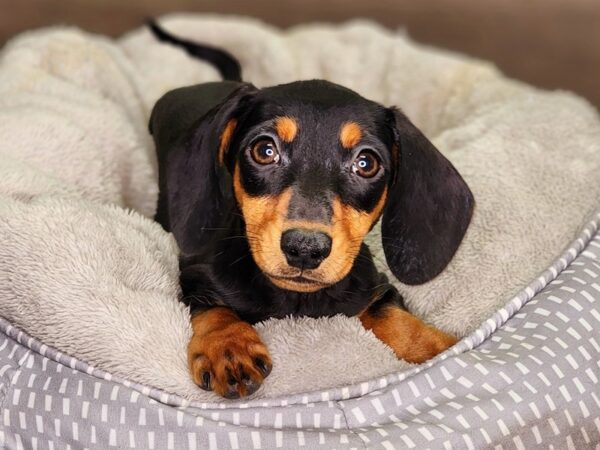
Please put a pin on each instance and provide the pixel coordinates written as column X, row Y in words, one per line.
column 313, row 166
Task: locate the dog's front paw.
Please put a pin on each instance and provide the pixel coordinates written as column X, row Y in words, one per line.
column 231, row 361
column 410, row 338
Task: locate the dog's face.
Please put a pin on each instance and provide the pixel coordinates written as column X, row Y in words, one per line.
column 311, row 169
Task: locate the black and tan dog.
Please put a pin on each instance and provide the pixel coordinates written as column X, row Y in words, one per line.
column 269, row 194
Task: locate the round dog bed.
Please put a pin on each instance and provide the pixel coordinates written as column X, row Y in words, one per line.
column 85, row 271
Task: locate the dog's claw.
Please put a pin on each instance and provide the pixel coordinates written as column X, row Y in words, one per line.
column 231, row 381
column 243, row 375
column 264, row 367
column 206, row 381
column 251, row 387
column 231, row 393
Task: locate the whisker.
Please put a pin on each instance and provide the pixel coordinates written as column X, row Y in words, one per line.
column 239, row 259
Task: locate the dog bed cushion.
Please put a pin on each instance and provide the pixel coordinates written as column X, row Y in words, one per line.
column 84, row 269
column 528, row 377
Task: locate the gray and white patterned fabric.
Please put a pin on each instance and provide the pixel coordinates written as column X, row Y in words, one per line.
column 528, row 377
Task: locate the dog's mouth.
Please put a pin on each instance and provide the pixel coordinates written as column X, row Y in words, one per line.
column 301, row 283
column 299, row 279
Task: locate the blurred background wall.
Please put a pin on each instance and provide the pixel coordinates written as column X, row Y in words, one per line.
column 549, row 43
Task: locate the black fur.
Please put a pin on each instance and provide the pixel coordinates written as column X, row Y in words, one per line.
column 427, row 212
column 227, row 65
column 195, row 195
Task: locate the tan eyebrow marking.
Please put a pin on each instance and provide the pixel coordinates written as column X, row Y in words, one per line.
column 350, row 134
column 225, row 139
column 286, row 128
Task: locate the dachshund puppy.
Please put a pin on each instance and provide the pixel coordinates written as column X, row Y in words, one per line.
column 270, row 193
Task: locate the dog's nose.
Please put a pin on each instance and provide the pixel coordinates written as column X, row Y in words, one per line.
column 305, row 249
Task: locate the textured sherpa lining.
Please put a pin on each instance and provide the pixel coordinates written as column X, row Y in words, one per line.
column 83, row 269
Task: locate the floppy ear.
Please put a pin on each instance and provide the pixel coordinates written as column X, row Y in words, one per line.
column 192, row 128
column 428, row 210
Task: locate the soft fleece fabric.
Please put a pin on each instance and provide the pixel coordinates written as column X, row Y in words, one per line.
column 85, row 269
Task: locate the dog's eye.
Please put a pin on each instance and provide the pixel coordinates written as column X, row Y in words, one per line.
column 264, row 152
column 366, row 164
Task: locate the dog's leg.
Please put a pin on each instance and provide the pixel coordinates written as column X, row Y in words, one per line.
column 410, row 338
column 226, row 355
